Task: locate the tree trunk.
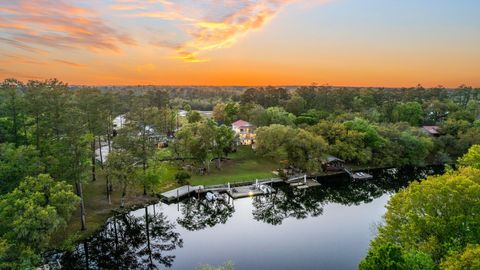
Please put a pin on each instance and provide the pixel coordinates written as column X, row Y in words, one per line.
column 82, row 205
column 109, row 141
column 144, row 185
column 107, row 178
column 94, row 177
column 219, row 162
column 144, row 156
column 100, row 152
column 124, row 193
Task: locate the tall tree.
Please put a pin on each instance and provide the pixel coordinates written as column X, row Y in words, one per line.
column 122, row 167
column 306, row 150
column 36, row 108
column 73, row 152
column 11, row 107
column 224, row 138
column 90, row 103
column 138, row 135
column 411, row 112
column 30, row 215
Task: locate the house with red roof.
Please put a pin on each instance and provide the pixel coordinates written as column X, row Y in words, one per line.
column 245, row 132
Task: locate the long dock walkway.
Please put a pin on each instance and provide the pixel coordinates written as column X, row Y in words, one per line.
column 176, row 194
column 228, row 186
column 238, row 189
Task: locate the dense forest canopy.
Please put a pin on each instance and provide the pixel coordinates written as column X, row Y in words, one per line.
column 51, row 132
column 432, row 224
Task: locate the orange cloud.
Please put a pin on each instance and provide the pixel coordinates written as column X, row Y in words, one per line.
column 20, row 45
column 210, row 24
column 68, row 63
column 20, row 59
column 57, row 24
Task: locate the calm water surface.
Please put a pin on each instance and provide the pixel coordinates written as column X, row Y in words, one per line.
column 327, row 227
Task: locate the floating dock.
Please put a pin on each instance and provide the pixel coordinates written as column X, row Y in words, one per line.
column 179, row 193
column 302, row 182
column 305, row 184
column 358, row 175
column 246, row 191
column 238, row 189
column 226, row 187
column 361, row 176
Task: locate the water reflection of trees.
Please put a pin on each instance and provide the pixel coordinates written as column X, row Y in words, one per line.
column 300, row 204
column 199, row 214
column 273, row 209
column 128, row 242
column 147, row 241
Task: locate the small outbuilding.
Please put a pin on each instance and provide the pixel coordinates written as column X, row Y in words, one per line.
column 431, row 130
column 333, row 164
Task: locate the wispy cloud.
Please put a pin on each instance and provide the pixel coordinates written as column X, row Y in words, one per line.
column 20, row 59
column 189, row 28
column 20, row 45
column 12, row 59
column 56, row 24
column 210, row 24
column 68, row 63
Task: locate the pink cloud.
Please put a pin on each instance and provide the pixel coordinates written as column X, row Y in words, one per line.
column 210, row 24
column 57, row 24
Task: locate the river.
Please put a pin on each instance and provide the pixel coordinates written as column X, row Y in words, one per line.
column 325, row 227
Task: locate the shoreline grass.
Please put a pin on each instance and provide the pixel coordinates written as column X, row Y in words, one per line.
column 242, row 165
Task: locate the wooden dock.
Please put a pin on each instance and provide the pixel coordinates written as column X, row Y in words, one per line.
column 305, row 184
column 358, row 175
column 246, row 191
column 225, row 187
column 361, row 176
column 297, row 179
column 179, row 193
column 236, row 190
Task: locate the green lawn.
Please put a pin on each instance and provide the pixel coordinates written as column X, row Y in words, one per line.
column 243, row 165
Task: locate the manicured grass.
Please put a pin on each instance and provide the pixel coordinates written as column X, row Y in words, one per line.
column 243, row 165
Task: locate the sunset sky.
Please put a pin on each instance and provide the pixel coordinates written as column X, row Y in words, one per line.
column 242, row 42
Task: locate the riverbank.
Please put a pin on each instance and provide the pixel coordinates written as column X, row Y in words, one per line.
column 98, row 209
column 241, row 166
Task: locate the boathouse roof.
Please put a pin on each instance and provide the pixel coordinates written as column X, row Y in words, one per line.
column 329, row 159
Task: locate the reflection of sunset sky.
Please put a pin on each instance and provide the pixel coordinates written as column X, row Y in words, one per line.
column 242, row 42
